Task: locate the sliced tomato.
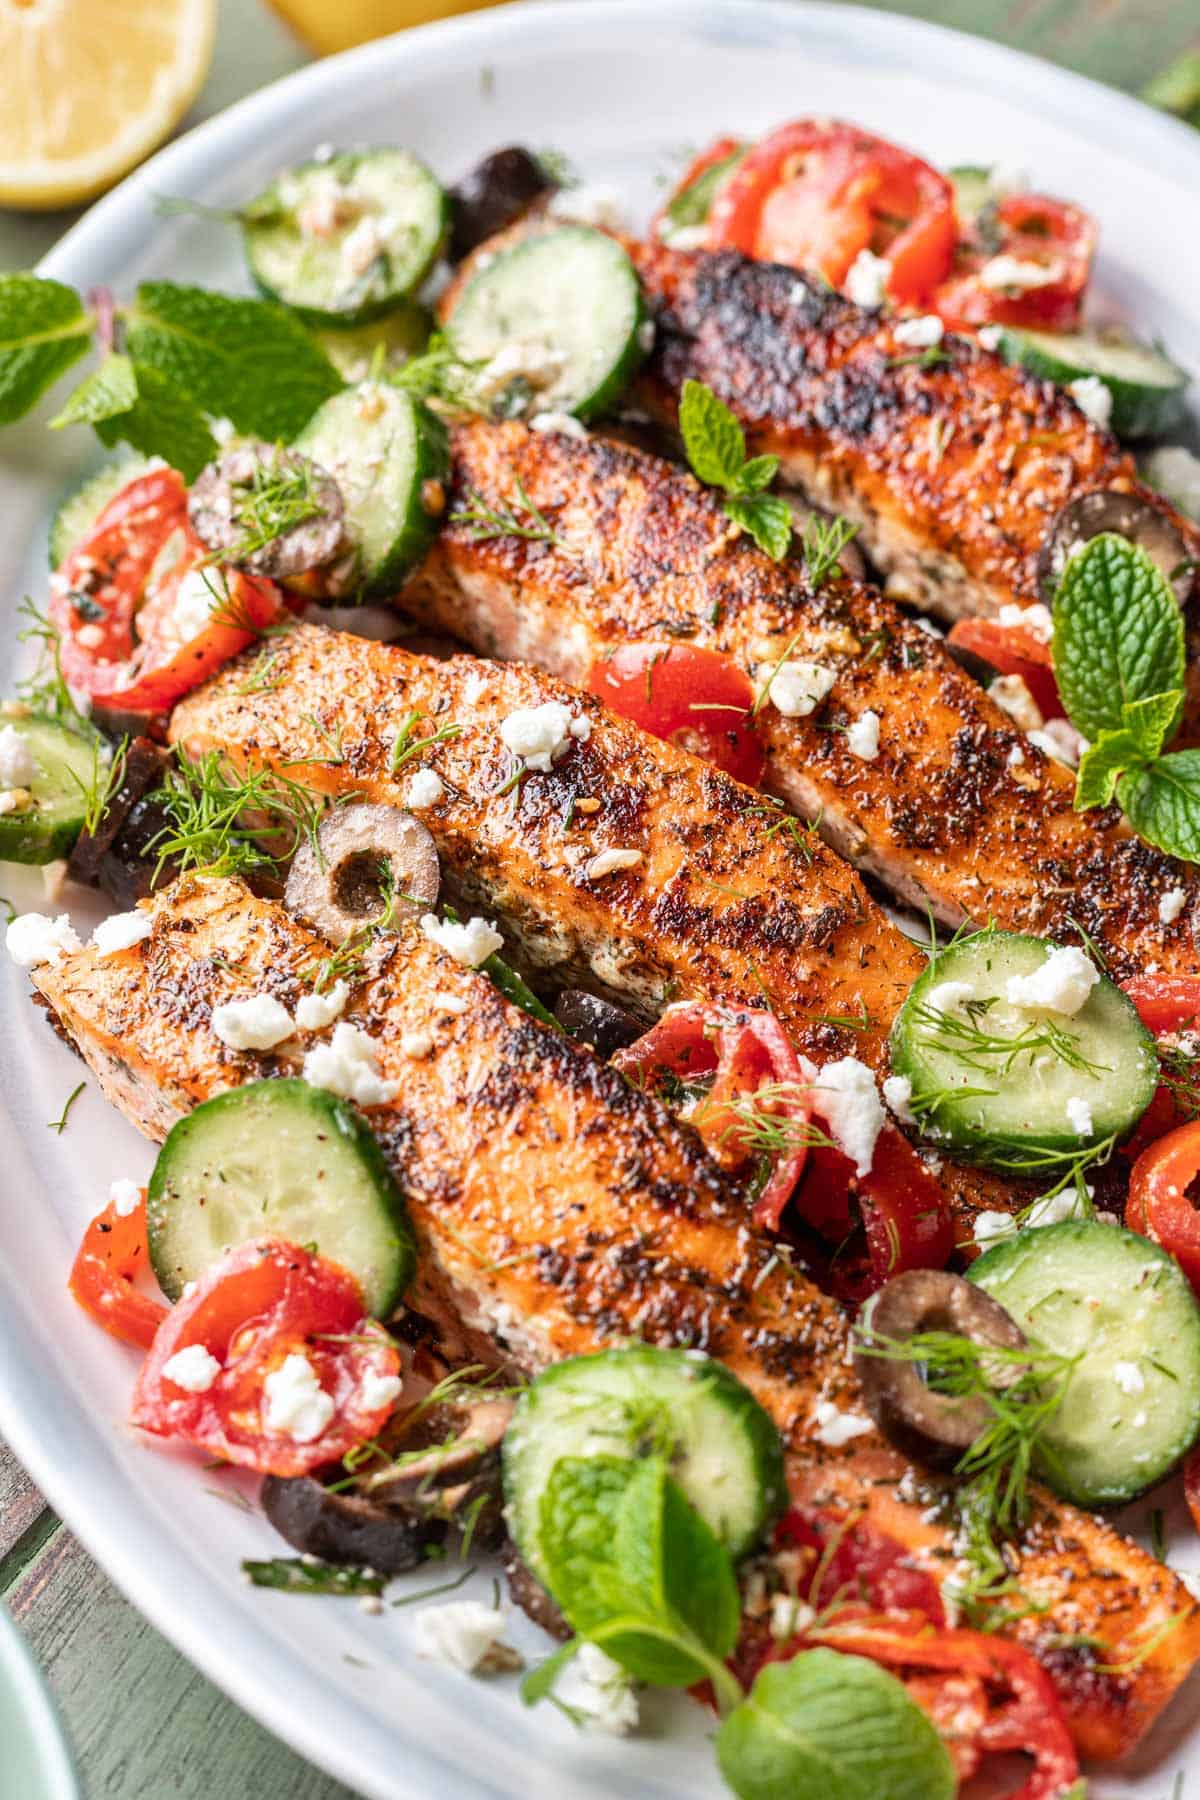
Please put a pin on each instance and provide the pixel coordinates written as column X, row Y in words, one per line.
column 903, row 1211
column 1165, row 1003
column 1030, row 229
column 709, row 163
column 1013, row 650
column 259, row 1304
column 125, row 639
column 859, row 1562
column 815, row 193
column 692, row 697
column 114, row 1250
column 1191, row 1486
column 1159, row 1204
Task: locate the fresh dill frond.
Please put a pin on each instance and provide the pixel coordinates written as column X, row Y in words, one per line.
column 44, row 690
column 803, row 837
column 230, row 824
column 440, row 373
column 822, row 546
column 963, row 1033
column 407, row 745
column 519, row 518
column 279, row 496
column 759, row 1124
column 299, row 1575
column 103, row 783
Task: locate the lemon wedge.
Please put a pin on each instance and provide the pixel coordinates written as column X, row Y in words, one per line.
column 329, row 25
column 90, row 87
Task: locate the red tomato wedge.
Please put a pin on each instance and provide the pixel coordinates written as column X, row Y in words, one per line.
column 113, row 1251
column 1013, row 650
column 262, row 1303
column 142, row 618
column 1159, row 1204
column 854, row 1559
column 1165, row 1003
column 904, row 1214
column 695, row 698
column 815, row 193
column 724, row 150
column 1054, row 243
column 1191, row 1486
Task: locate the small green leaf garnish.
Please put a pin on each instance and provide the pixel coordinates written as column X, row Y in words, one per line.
column 519, row 518
column 300, row 1575
column 716, row 450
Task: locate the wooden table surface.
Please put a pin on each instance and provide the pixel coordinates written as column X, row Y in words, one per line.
column 144, row 1725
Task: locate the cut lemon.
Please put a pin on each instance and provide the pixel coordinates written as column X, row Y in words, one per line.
column 90, row 87
column 329, row 25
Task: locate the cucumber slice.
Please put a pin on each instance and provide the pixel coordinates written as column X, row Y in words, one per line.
column 972, row 184
column 725, row 1451
column 390, row 456
column 345, row 241
column 1147, row 388
column 46, row 828
column 80, row 510
column 569, row 298
column 284, row 1158
column 1102, row 1055
column 404, row 333
column 1131, row 1408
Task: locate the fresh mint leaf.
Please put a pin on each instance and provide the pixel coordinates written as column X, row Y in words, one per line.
column 712, row 437
column 1110, row 756
column 112, row 388
column 1153, row 722
column 246, row 360
column 43, row 330
column 162, row 421
column 1162, row 803
column 767, row 520
column 1118, row 634
column 828, row 1727
column 757, row 474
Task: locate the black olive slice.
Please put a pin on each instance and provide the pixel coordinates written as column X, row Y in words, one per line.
column 929, row 1427
column 492, row 196
column 1129, row 516
column 607, row 1028
column 346, row 1527
column 232, row 513
column 363, row 852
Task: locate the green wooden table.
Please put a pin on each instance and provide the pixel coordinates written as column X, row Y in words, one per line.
column 143, row 1723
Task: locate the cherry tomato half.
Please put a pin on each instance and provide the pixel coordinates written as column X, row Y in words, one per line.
column 1159, row 1206
column 903, row 1210
column 1014, row 650
column 261, row 1303
column 692, row 697
column 1165, row 1003
column 113, row 1251
column 1054, row 243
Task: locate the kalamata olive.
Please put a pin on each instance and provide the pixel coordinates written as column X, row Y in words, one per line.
column 929, row 1427
column 527, row 1592
column 269, row 510
column 364, row 856
column 492, row 196
column 1129, row 516
column 976, row 666
column 607, row 1028
column 346, row 1527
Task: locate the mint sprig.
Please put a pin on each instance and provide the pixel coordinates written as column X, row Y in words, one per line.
column 716, row 450
column 43, row 330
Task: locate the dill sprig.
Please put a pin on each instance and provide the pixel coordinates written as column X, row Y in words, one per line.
column 298, row 1575
column 277, row 498
column 407, row 746
column 963, row 1034
column 230, row 824
column 441, row 373
column 760, row 1125
column 103, row 783
column 803, row 837
column 822, row 546
column 485, row 521
column 45, row 690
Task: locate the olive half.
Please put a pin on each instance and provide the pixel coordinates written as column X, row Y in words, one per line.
column 590, row 1020
column 367, row 860
column 1130, row 516
column 494, row 195
column 929, row 1427
column 268, row 510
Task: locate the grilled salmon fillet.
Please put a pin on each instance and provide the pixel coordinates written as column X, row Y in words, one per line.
column 719, row 905
column 958, row 812
column 558, row 1210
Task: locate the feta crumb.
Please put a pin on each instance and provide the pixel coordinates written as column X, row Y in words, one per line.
column 608, row 862
column 124, row 1197
column 425, row 788
column 540, row 735
column 992, row 1228
column 1175, row 472
column 948, row 995
column 835, row 1427
column 258, row 1022
column 416, row 1045
column 370, row 1603
column 294, row 1403
column 565, row 424
column 598, row 1691
column 1129, row 1377
column 14, row 800
column 789, row 1617
column 1013, row 697
column 199, row 592
column 862, row 737
column 315, row 1011
column 1037, row 619
column 846, row 1097
column 349, row 1066
column 121, row 931
column 534, row 362
column 1012, row 273
column 17, row 764
column 897, row 1091
column 465, row 1634
column 795, row 688
column 1094, row 398
column 1171, row 904
column 470, row 944
column 363, row 245
column 1079, row 1116
column 866, row 279
column 1052, row 1209
column 1059, row 739
column 592, row 203
column 376, row 1390
column 1061, row 985
column 32, row 938
column 451, row 1003
column 990, row 336
column 194, row 1369
column 646, row 332
column 1016, row 757
column 922, row 333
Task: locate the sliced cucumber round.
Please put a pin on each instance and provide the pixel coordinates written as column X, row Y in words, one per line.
column 80, row 510
column 999, row 1080
column 381, row 347
column 285, row 1158
column 1147, row 388
column 723, row 1449
column 569, row 302
column 972, row 184
column 390, row 457
column 45, row 827
column 346, row 240
column 1131, row 1407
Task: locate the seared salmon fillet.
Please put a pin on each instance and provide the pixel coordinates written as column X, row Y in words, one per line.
column 716, row 905
column 957, row 813
column 558, row 1210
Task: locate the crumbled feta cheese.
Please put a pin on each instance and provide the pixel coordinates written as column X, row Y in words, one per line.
column 835, row 1427
column 1013, row 697
column 1079, row 1116
column 416, row 1045
column 465, row 1634
column 948, row 995
column 1093, row 397
column 539, row 735
column 194, row 1369
column 565, row 424
column 990, row 336
column 124, row 1197
column 1036, row 619
column 370, row 1603
column 377, row 1391
column 1171, row 904
column 866, row 279
column 536, row 363
column 646, row 332
column 597, row 1691
column 425, row 788
column 294, row 1402
column 1052, row 1209
column 795, row 688
column 199, row 592
column 1012, row 274
column 1059, row 739
column 789, row 1617
column 1016, row 757
column 993, row 1228
column 32, row 938
column 1129, row 1377
column 1061, row 985
column 1175, row 472
column 862, row 737
column 451, row 1003
column 349, row 1066
column 846, row 1097
column 898, row 1091
column 258, row 1022
column 684, row 237
column 470, row 944
column 592, row 203
column 608, row 862
column 14, row 800
column 17, row 764
column 922, row 333
column 315, row 1011
column 362, row 246
column 121, row 931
